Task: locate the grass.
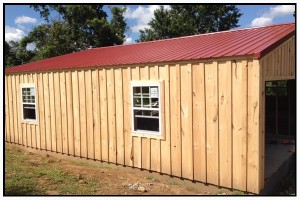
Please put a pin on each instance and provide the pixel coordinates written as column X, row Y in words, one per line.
column 25, row 177
column 152, row 178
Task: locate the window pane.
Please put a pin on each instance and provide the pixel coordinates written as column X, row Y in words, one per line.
column 154, row 92
column 146, row 102
column 154, row 103
column 145, row 91
column 137, row 91
column 137, row 102
column 146, row 124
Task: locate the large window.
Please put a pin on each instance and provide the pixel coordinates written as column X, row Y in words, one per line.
column 28, row 102
column 146, row 108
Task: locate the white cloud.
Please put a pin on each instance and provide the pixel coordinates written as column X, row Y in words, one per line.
column 25, row 20
column 14, row 34
column 129, row 40
column 142, row 15
column 274, row 12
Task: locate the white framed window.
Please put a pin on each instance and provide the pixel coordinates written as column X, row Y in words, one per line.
column 146, row 108
column 28, row 96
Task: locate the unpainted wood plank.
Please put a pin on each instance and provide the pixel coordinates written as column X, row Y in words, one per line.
column 32, row 128
column 261, row 155
column 82, row 107
column 239, row 124
column 119, row 115
column 155, row 143
column 187, row 121
column 165, row 153
column 199, row 126
column 37, row 128
column 47, row 111
column 175, row 120
column 89, row 115
column 70, row 117
column 58, row 112
column 28, row 129
column 111, row 106
column 104, row 117
column 14, row 109
column 253, row 127
column 146, row 151
column 136, row 141
column 289, row 58
column 19, row 112
column 293, row 57
column 24, row 132
column 96, row 114
column 52, row 111
column 279, row 63
column 10, row 109
column 76, row 112
column 41, row 110
column 128, row 146
column 7, row 113
column 225, row 124
column 212, row 120
column 64, row 120
column 33, row 133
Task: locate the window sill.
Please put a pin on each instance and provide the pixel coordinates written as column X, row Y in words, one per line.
column 33, row 122
column 147, row 135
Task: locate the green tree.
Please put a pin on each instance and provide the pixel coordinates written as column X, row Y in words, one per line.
column 75, row 28
column 183, row 20
column 15, row 54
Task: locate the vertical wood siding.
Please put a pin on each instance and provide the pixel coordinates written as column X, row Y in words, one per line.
column 212, row 117
column 279, row 64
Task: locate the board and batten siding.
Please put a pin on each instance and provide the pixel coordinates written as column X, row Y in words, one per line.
column 211, row 119
column 279, row 64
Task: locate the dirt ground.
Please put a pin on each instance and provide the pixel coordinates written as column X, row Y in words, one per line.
column 100, row 178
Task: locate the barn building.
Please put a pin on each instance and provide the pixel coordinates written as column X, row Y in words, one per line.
column 198, row 107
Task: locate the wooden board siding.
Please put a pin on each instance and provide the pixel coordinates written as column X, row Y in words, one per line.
column 212, row 118
column 279, row 64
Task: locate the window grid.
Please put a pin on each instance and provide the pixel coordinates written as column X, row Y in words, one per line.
column 146, row 108
column 28, row 103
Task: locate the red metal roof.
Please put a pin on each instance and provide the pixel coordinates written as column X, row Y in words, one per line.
column 244, row 42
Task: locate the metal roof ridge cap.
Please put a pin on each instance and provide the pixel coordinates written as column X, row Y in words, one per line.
column 189, row 36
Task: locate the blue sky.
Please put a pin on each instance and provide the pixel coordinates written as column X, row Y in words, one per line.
column 20, row 19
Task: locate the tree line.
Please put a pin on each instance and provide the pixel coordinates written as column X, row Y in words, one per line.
column 79, row 27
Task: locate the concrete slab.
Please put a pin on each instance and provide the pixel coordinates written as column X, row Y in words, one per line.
column 278, row 160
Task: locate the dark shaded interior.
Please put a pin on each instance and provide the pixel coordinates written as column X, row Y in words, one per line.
column 280, row 105
column 29, row 113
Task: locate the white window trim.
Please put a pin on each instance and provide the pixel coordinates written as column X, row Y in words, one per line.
column 144, row 133
column 30, row 121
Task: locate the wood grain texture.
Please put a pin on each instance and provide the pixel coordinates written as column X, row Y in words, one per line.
column 175, row 120
column 239, row 124
column 136, row 141
column 64, row 112
column 165, row 153
column 58, row 113
column 70, row 117
column 76, row 112
column 225, row 131
column 199, row 122
column 89, row 115
column 104, row 115
column 96, row 114
column 187, row 121
column 126, row 72
column 52, row 112
column 212, row 120
column 119, row 116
